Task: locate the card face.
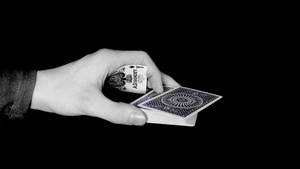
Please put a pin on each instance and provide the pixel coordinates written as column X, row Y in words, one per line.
column 182, row 101
column 148, row 96
column 129, row 78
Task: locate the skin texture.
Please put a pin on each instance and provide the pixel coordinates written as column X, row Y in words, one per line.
column 76, row 88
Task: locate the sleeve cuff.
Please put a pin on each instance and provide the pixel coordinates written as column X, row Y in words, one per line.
column 25, row 83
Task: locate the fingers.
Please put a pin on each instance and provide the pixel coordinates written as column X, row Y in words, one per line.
column 140, row 57
column 119, row 113
column 169, row 81
column 154, row 75
column 155, row 80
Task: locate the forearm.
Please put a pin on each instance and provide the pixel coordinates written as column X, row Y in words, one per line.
column 16, row 88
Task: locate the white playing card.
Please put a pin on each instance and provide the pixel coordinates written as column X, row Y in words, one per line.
column 178, row 106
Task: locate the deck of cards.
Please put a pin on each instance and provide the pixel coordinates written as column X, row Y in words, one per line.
column 175, row 106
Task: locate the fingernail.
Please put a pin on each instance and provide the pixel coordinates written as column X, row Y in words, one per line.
column 137, row 119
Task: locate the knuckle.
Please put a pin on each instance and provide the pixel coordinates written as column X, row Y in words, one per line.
column 143, row 54
column 103, row 50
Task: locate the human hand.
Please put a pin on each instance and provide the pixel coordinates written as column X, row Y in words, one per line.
column 76, row 88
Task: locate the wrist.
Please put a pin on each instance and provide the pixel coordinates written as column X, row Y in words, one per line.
column 39, row 95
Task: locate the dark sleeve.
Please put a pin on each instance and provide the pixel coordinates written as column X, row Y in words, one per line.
column 16, row 89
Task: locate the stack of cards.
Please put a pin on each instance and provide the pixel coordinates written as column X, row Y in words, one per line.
column 175, row 106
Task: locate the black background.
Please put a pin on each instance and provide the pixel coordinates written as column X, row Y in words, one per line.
column 201, row 48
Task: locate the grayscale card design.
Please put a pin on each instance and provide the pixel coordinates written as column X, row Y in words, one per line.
column 181, row 101
column 148, row 96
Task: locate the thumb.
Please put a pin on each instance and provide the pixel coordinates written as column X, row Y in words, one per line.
column 123, row 113
column 120, row 113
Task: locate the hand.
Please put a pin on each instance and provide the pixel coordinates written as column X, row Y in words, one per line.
column 75, row 88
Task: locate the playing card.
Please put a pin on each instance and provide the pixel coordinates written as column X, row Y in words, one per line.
column 180, row 102
column 148, row 96
column 129, row 78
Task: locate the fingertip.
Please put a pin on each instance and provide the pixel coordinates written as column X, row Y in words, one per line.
column 158, row 88
column 155, row 79
column 138, row 118
column 156, row 84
